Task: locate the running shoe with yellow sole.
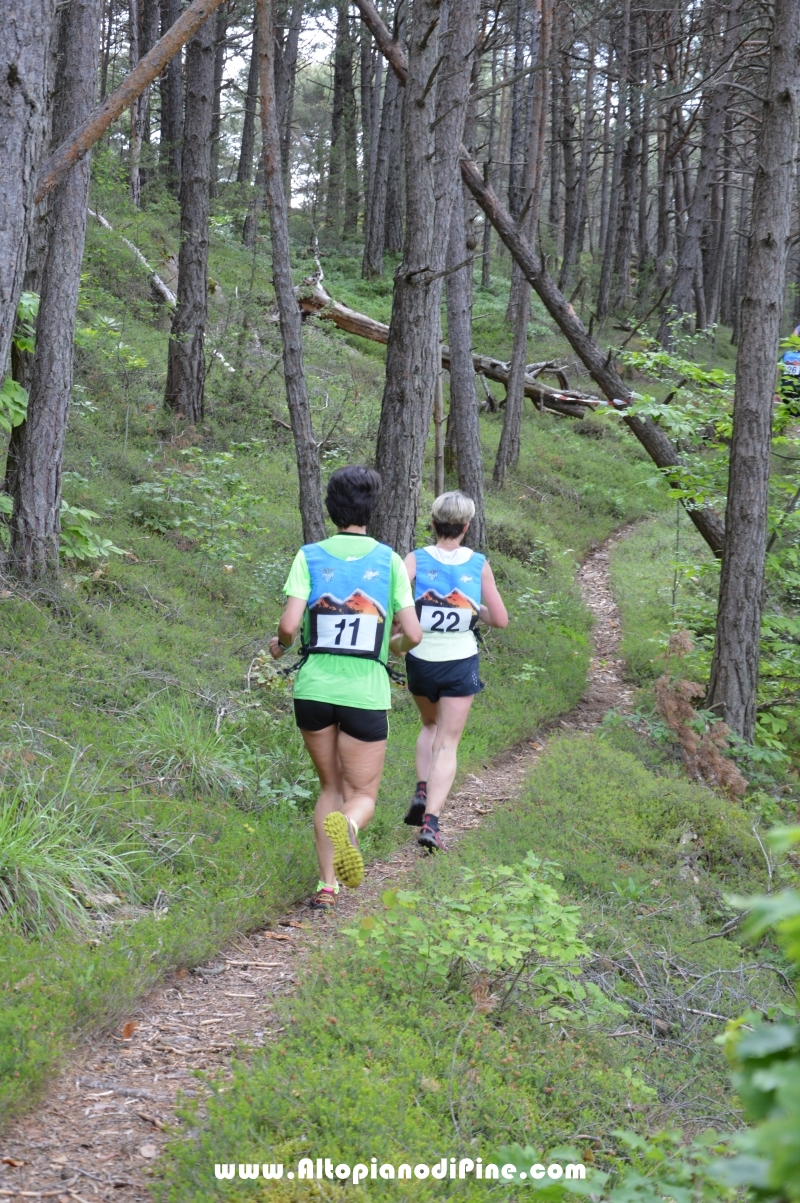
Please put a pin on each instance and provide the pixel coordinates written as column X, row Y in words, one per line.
column 348, row 863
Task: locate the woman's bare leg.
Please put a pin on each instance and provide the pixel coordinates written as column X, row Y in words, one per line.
column 429, row 713
column 453, row 713
column 361, row 769
column 324, row 752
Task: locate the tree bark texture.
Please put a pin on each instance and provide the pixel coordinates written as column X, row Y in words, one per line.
column 36, row 516
column 464, row 414
column 244, row 170
column 341, row 213
column 388, row 137
column 186, row 364
column 25, row 33
column 433, row 125
column 82, row 139
column 734, row 671
column 600, row 367
column 220, row 37
column 171, row 88
column 285, row 77
column 144, row 19
column 682, row 291
column 307, row 452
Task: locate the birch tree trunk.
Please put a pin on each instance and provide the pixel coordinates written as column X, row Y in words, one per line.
column 36, row 517
column 307, row 452
column 734, row 671
column 25, row 32
column 186, row 364
column 433, row 121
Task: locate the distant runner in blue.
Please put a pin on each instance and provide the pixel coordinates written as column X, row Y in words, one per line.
column 454, row 588
column 790, row 372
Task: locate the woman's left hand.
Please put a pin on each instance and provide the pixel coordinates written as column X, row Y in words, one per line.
column 276, row 648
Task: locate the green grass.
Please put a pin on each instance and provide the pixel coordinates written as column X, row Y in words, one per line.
column 370, row 1065
column 658, row 573
column 139, row 669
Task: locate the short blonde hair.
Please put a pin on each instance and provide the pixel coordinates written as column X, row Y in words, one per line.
column 451, row 512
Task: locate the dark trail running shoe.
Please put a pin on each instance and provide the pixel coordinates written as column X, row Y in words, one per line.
column 430, row 836
column 416, row 811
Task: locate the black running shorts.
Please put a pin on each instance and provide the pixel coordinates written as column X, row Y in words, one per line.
column 370, row 726
column 434, row 679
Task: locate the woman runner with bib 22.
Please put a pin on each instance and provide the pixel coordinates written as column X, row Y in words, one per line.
column 345, row 591
column 454, row 587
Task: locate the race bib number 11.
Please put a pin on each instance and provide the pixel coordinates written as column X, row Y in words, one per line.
column 347, row 632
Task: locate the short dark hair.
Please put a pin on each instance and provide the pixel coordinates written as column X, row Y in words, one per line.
column 448, row 530
column 352, row 495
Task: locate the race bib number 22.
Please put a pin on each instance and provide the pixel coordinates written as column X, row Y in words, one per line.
column 445, row 618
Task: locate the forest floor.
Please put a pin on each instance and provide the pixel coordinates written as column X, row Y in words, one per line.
column 106, row 1117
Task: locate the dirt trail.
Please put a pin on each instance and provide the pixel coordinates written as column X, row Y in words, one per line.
column 101, row 1125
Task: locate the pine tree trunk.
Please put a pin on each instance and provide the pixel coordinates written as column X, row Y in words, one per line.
column 533, row 183
column 395, row 193
column 352, row 192
column 732, row 691
column 682, row 291
column 137, row 113
column 372, row 164
column 25, row 33
column 256, row 205
column 518, row 136
column 572, row 173
column 337, row 168
column 308, row 468
column 620, row 125
column 171, row 87
column 375, row 234
column 366, row 83
column 244, row 171
column 486, row 271
column 433, row 122
column 36, row 517
column 508, row 448
column 464, row 423
column 285, row 79
column 186, row 365
column 151, row 19
column 220, row 36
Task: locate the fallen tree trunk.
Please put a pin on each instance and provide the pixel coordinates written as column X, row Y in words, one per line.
column 600, row 367
column 570, row 402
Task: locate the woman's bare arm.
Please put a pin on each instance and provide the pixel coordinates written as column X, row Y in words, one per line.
column 493, row 611
column 410, row 633
column 288, row 627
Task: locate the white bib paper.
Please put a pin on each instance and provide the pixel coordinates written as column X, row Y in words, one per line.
column 445, row 618
column 347, row 632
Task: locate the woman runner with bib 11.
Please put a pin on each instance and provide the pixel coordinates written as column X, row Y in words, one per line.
column 345, row 591
column 454, row 587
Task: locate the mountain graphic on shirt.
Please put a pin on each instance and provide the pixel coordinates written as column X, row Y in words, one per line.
column 455, row 600
column 357, row 603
